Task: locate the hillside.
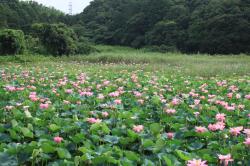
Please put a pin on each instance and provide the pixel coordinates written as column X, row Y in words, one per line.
column 208, row 26
column 188, row 26
column 20, row 15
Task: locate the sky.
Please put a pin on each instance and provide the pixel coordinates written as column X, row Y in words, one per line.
column 63, row 5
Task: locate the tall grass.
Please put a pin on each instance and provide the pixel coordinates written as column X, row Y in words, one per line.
column 125, row 58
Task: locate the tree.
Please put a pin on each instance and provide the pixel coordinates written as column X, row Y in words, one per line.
column 57, row 38
column 11, row 41
column 163, row 33
column 220, row 27
column 22, row 14
column 208, row 26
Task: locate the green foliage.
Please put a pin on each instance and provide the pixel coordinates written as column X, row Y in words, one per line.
column 123, row 58
column 209, row 26
column 57, row 38
column 34, row 45
column 163, row 33
column 84, row 48
column 70, row 133
column 189, row 26
column 220, row 27
column 161, row 48
column 11, row 41
column 20, row 14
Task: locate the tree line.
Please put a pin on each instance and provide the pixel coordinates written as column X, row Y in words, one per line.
column 27, row 26
column 189, row 26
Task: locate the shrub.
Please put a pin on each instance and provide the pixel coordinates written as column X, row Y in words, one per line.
column 11, row 41
column 84, row 47
column 34, row 45
column 57, row 38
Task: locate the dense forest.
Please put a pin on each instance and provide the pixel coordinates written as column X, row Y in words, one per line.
column 22, row 14
column 208, row 26
column 190, row 26
column 30, row 26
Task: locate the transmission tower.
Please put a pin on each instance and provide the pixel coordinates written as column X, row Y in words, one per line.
column 70, row 8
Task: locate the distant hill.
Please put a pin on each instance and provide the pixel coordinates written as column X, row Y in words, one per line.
column 189, row 26
column 209, row 26
column 21, row 14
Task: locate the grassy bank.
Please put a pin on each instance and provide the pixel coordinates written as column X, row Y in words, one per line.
column 118, row 58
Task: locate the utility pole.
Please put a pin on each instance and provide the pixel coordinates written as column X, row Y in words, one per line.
column 70, row 8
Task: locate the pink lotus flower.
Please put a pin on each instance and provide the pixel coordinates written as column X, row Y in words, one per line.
column 114, row 94
column 42, row 100
column 106, row 82
column 54, row 90
column 211, row 96
column 230, row 108
column 236, row 130
column 105, row 114
column 238, row 96
column 134, row 78
column 220, row 117
column 69, row 91
column 86, row 94
column 220, row 125
column 197, row 102
column 10, row 88
column 170, row 111
column 137, row 94
column 170, row 135
column 230, row 95
column 212, row 127
column 193, row 94
column 247, row 97
column 247, row 142
column 9, row 107
column 200, row 129
column 202, row 97
column 138, row 128
column 247, row 132
column 233, row 88
column 33, row 96
column 118, row 101
column 100, row 96
column 216, row 126
column 66, row 102
column 93, row 120
column 58, row 139
column 196, row 114
column 98, row 86
column 175, row 101
column 225, row 159
column 44, row 106
column 222, row 83
column 20, row 89
column 163, row 100
column 241, row 106
column 195, row 162
column 140, row 101
column 121, row 89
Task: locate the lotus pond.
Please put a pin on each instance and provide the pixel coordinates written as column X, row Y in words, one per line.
column 50, row 115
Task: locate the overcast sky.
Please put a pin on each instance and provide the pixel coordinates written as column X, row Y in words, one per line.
column 63, row 5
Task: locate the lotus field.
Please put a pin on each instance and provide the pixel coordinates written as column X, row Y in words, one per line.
column 90, row 116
